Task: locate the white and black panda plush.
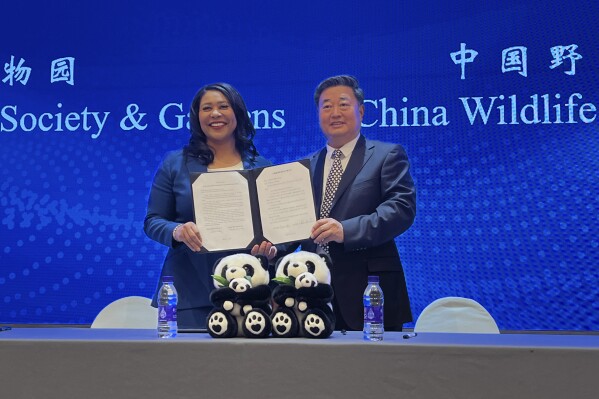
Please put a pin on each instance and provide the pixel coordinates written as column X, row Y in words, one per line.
column 303, row 296
column 241, row 298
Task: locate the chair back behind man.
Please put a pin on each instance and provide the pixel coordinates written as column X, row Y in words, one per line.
column 456, row 314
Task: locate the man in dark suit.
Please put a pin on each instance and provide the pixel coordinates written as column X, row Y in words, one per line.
column 375, row 201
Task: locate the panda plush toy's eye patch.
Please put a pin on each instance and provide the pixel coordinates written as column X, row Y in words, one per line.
column 223, row 271
column 286, row 269
column 249, row 270
column 311, row 266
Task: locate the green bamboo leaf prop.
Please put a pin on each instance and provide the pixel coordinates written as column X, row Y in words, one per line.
column 221, row 280
column 288, row 280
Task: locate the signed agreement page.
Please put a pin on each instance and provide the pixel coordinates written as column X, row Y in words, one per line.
column 286, row 202
column 222, row 210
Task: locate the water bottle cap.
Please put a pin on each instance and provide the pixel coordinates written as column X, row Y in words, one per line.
column 167, row 279
column 373, row 279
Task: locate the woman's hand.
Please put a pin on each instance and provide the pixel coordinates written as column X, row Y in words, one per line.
column 265, row 249
column 189, row 234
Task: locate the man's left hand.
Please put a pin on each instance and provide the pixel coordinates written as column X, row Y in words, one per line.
column 327, row 230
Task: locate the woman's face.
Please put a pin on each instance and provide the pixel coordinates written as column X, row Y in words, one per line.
column 217, row 118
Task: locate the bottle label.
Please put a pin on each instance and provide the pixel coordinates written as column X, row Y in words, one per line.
column 373, row 314
column 167, row 313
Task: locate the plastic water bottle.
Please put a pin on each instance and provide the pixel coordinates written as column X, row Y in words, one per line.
column 167, row 309
column 373, row 310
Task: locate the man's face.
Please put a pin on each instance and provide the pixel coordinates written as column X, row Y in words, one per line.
column 340, row 115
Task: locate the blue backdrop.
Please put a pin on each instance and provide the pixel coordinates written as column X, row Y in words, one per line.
column 496, row 105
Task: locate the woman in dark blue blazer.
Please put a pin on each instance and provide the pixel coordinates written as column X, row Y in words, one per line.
column 221, row 139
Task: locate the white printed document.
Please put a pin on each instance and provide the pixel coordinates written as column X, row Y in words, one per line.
column 238, row 209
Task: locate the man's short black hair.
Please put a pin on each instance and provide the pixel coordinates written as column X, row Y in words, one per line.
column 340, row 80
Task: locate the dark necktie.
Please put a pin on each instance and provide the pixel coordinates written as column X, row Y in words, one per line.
column 332, row 183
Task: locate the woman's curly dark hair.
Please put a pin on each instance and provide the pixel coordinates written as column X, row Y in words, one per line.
column 244, row 132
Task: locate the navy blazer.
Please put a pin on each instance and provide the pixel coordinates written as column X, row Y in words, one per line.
column 170, row 204
column 375, row 202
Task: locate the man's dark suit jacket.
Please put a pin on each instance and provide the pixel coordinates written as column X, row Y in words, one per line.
column 375, row 202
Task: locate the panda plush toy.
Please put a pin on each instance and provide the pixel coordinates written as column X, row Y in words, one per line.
column 241, row 298
column 303, row 297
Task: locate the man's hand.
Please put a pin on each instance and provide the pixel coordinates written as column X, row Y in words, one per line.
column 327, row 230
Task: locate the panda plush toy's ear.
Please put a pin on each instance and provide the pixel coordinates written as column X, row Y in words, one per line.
column 327, row 260
column 263, row 261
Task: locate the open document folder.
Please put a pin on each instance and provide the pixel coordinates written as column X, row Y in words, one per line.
column 237, row 209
